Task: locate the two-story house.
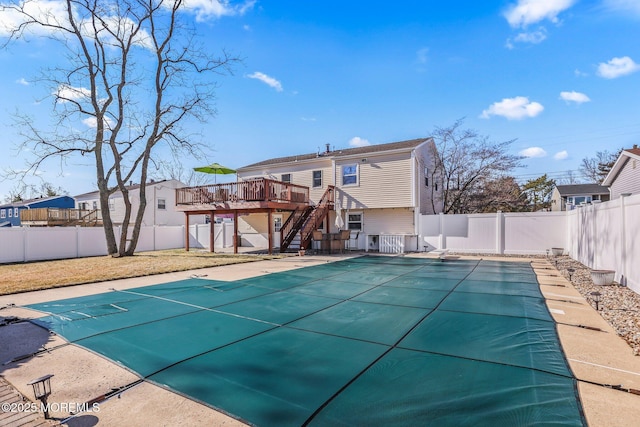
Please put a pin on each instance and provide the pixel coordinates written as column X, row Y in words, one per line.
column 160, row 209
column 380, row 190
column 624, row 177
column 10, row 213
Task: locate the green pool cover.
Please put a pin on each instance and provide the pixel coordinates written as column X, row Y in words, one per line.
column 365, row 341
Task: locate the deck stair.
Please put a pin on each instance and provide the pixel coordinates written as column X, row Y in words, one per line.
column 297, row 230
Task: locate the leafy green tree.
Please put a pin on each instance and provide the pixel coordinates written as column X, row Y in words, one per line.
column 538, row 192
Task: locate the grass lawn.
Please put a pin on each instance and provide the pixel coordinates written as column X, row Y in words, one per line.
column 34, row 276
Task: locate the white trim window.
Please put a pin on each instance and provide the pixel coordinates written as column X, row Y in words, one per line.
column 112, row 205
column 317, row 179
column 3, row 214
column 10, row 212
column 354, row 221
column 162, row 204
column 16, row 212
column 350, row 174
column 95, row 205
column 285, row 177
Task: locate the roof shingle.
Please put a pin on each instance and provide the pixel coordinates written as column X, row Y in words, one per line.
column 409, row 144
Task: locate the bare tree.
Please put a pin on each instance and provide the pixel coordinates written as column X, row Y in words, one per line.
column 500, row 194
column 134, row 73
column 569, row 178
column 595, row 169
column 463, row 161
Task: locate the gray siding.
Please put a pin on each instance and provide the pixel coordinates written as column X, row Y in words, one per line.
column 628, row 180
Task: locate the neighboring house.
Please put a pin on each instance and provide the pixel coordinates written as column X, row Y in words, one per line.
column 567, row 197
column 380, row 190
column 161, row 203
column 10, row 213
column 624, row 177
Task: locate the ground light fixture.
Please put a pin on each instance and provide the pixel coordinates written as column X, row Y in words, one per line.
column 596, row 298
column 41, row 390
column 571, row 271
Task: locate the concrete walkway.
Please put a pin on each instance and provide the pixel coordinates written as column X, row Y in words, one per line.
column 596, row 356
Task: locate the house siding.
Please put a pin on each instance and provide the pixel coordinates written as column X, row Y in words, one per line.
column 628, row 180
column 430, row 199
column 301, row 174
column 383, row 182
column 153, row 215
column 389, row 221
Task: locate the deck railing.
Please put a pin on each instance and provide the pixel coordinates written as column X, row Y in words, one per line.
column 60, row 216
column 257, row 190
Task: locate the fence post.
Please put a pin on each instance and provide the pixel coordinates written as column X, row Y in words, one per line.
column 77, row 241
column 623, row 238
column 499, row 233
column 442, row 238
column 24, row 243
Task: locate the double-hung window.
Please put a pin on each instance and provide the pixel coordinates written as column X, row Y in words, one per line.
column 286, row 177
column 350, row 174
column 317, row 179
column 354, row 221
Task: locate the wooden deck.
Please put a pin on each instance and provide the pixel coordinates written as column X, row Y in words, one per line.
column 242, row 197
column 253, row 196
column 54, row 217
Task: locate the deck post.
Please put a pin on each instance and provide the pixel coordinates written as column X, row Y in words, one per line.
column 212, row 231
column 235, row 231
column 186, row 228
column 270, row 231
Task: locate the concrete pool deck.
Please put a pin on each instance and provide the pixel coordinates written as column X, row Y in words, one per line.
column 81, row 376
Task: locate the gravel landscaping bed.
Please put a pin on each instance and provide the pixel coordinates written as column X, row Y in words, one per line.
column 618, row 305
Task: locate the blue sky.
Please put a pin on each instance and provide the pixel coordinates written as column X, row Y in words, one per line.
column 561, row 77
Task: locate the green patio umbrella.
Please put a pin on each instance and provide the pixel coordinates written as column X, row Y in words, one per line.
column 216, row 169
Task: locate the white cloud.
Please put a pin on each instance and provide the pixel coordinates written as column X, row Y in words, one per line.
column 533, row 37
column 92, row 122
column 617, row 67
column 527, row 12
column 308, row 119
column 213, row 9
column 51, row 11
column 267, row 80
column 66, row 93
column 358, row 142
column 574, row 96
column 513, row 108
column 632, row 6
column 422, row 55
column 533, row 152
column 561, row 155
column 22, row 81
column 579, row 73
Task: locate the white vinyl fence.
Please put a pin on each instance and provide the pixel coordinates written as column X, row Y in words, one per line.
column 603, row 236
column 22, row 244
